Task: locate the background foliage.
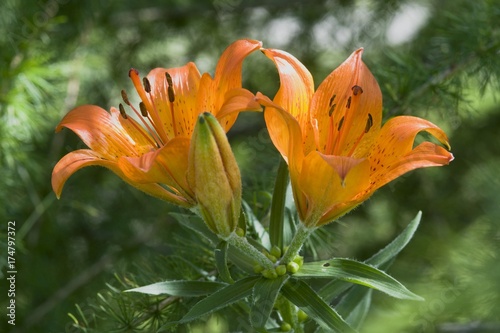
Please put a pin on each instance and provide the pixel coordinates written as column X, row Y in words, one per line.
column 432, row 58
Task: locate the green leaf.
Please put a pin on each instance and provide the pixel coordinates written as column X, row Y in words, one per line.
column 355, row 305
column 357, row 316
column 398, row 244
column 382, row 258
column 196, row 224
column 299, row 293
column 221, row 262
column 180, row 288
column 265, row 293
column 222, row 298
column 356, row 272
column 277, row 217
column 256, row 225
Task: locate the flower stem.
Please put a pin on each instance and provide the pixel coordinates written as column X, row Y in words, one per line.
column 295, row 245
column 242, row 244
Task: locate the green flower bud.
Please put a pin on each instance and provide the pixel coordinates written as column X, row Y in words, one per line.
column 270, row 274
column 292, row 267
column 299, row 260
column 276, row 251
column 285, row 327
column 214, row 176
column 302, row 316
column 280, row 270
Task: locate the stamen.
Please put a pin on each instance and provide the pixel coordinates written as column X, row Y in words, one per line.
column 341, row 122
column 170, row 88
column 122, row 111
column 155, row 141
column 331, row 100
column 171, row 99
column 143, row 109
column 125, row 97
column 356, row 90
column 369, row 123
column 169, row 79
column 330, row 112
column 147, row 85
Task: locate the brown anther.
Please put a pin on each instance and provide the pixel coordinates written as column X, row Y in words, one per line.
column 125, row 97
column 349, row 102
column 171, row 95
column 122, row 111
column 169, row 79
column 331, row 100
column 369, row 123
column 330, row 112
column 341, row 122
column 147, row 85
column 356, row 90
column 144, row 111
column 133, row 70
column 170, row 88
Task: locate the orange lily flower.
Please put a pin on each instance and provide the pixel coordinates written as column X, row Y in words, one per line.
column 332, row 139
column 151, row 153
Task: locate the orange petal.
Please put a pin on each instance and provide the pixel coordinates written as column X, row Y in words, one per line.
column 78, row 159
column 285, row 132
column 325, row 189
column 238, row 100
column 102, row 132
column 346, row 109
column 342, row 164
column 296, row 90
column 177, row 118
column 394, row 155
column 167, row 165
column 227, row 77
column 143, row 142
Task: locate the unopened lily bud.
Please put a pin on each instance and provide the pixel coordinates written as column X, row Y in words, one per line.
column 214, row 176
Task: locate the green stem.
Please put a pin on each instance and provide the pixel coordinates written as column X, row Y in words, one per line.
column 277, row 217
column 242, row 244
column 295, row 245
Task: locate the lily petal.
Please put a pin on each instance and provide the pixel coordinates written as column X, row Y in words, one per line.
column 295, row 92
column 103, row 132
column 285, row 132
column 394, row 155
column 227, row 77
column 325, row 189
column 346, row 110
column 238, row 100
column 177, row 118
column 166, row 165
column 78, row 159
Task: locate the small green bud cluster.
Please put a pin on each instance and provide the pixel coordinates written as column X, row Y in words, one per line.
column 281, row 269
column 301, row 316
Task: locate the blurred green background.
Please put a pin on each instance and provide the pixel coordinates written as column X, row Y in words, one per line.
column 438, row 59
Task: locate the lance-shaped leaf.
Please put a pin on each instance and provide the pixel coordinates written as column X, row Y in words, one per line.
column 222, row 298
column 265, row 293
column 180, row 288
column 299, row 293
column 398, row 244
column 334, row 288
column 356, row 272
